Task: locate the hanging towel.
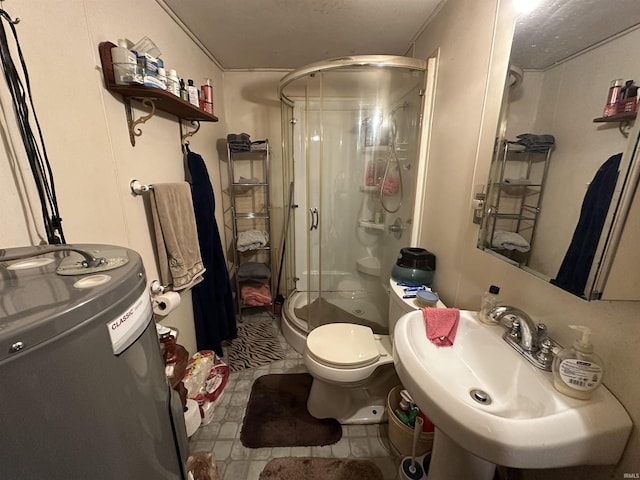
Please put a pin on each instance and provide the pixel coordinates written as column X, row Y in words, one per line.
column 576, row 265
column 252, row 240
column 176, row 235
column 442, row 325
column 510, row 241
column 214, row 311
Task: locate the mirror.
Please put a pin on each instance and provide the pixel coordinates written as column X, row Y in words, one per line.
column 562, row 177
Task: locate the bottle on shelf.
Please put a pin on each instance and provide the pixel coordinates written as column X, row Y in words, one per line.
column 193, row 93
column 611, row 106
column 489, row 301
column 184, row 95
column 173, row 82
column 207, row 96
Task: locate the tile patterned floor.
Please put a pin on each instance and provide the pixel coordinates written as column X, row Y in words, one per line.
column 235, row 462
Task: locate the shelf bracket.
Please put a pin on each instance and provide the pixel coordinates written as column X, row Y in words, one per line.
column 183, row 137
column 131, row 123
column 624, row 128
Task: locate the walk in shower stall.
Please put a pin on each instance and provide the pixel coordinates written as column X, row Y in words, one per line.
column 351, row 135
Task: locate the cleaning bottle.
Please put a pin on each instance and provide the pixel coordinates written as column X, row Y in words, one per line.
column 489, row 301
column 577, row 371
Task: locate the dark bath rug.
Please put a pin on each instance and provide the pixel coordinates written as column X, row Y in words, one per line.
column 256, row 345
column 277, row 415
column 298, row 468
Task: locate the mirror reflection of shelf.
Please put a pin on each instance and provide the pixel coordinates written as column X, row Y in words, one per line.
column 623, row 120
column 620, row 117
column 369, row 188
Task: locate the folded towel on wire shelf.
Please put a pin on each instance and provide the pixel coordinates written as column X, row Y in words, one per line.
column 176, row 235
column 251, row 240
column 255, row 294
column 441, row 325
column 510, row 241
column 254, row 271
column 536, row 143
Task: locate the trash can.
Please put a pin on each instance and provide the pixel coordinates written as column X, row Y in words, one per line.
column 401, row 435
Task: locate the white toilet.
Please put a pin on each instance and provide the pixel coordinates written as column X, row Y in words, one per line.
column 352, row 368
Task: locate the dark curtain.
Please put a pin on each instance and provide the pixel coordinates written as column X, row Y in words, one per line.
column 213, row 307
column 575, row 268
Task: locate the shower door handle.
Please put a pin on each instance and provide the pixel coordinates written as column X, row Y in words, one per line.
column 314, row 219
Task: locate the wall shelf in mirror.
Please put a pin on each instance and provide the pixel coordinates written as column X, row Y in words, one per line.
column 153, row 98
column 623, row 119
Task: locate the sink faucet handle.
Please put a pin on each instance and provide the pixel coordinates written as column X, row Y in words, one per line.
column 545, row 354
column 515, row 329
column 542, row 332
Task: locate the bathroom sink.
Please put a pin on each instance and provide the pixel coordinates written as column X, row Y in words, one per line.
column 494, row 404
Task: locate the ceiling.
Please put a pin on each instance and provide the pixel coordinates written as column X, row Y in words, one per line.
column 558, row 29
column 289, row 34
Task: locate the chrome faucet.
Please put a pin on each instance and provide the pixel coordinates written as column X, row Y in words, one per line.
column 524, row 335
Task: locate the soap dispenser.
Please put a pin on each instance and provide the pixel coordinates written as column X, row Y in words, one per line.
column 577, row 371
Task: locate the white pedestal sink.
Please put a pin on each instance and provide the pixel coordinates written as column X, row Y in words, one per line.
column 525, row 423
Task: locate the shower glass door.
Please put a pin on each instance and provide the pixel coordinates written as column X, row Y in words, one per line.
column 355, row 153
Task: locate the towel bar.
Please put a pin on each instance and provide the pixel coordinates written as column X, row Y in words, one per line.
column 138, row 188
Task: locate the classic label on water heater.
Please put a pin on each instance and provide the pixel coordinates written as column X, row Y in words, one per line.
column 128, row 326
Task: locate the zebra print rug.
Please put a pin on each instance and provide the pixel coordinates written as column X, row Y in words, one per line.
column 255, row 346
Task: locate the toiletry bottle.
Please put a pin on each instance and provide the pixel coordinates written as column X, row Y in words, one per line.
column 489, row 301
column 612, row 98
column 162, row 77
column 184, row 95
column 173, row 82
column 207, row 93
column 577, row 371
column 193, row 93
column 125, row 64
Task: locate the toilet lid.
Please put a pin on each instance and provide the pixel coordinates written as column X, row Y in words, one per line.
column 343, row 344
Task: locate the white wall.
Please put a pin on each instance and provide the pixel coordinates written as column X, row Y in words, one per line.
column 85, row 128
column 461, row 146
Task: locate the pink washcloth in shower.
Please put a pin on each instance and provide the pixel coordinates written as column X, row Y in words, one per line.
column 442, row 325
column 391, row 185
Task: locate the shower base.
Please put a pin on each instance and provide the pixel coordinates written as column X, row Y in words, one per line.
column 349, row 307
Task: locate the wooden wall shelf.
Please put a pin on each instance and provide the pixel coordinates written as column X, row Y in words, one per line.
column 154, row 98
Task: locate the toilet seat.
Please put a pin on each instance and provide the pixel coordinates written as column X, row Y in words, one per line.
column 343, row 345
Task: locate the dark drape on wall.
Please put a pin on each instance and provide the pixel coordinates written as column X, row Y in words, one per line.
column 213, row 307
column 575, row 268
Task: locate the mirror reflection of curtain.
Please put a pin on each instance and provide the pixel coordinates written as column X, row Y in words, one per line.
column 574, row 271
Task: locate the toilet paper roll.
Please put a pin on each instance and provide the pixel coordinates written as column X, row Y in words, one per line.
column 192, row 417
column 166, row 303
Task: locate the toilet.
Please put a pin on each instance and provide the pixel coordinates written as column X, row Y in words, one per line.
column 352, row 368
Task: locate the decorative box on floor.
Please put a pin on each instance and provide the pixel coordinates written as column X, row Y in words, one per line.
column 205, row 380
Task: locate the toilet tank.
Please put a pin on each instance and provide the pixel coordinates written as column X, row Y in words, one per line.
column 398, row 306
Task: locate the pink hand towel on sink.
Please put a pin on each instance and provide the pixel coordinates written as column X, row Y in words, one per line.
column 442, row 325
